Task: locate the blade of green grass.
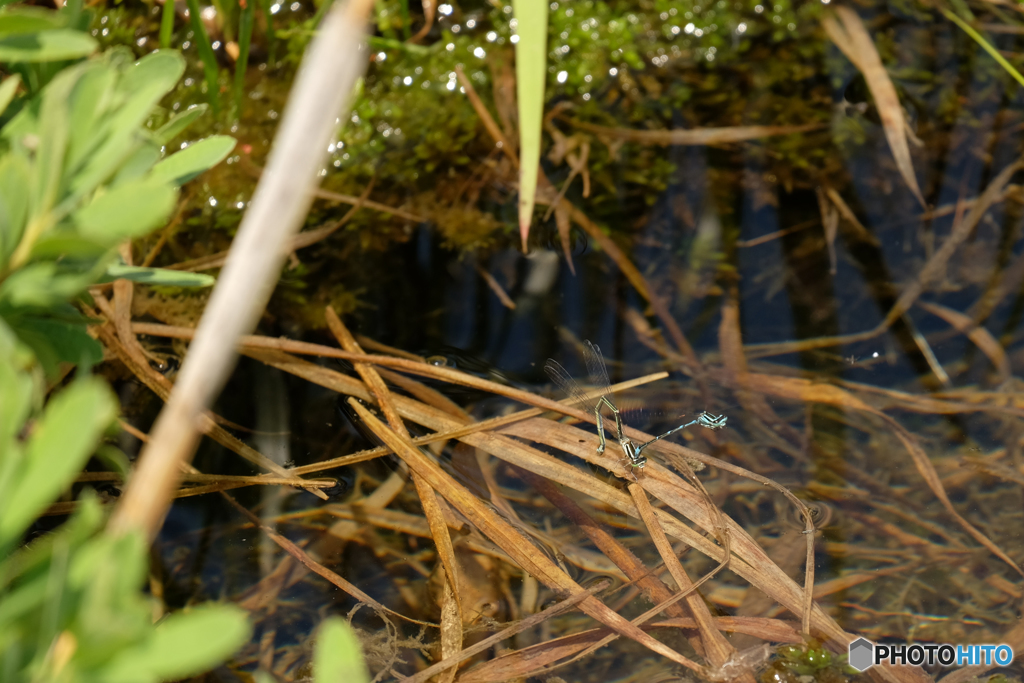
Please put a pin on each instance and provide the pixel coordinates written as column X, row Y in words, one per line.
column 271, row 35
column 245, row 21
column 969, row 30
column 403, row 7
column 210, row 67
column 167, row 25
column 531, row 75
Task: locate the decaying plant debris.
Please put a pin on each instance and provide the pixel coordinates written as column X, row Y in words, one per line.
column 507, row 548
column 899, row 534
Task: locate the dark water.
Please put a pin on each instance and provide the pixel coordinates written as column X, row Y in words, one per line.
column 699, row 223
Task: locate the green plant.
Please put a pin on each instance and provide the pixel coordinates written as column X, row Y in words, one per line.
column 80, row 173
column 71, row 607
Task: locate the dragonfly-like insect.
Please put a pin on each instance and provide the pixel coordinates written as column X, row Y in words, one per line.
column 599, row 377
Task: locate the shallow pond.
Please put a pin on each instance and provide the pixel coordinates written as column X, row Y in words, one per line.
column 863, row 346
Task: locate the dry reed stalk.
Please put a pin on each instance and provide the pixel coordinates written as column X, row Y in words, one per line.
column 451, row 605
column 322, row 89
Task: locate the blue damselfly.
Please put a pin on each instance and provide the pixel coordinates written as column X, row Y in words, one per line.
column 599, row 378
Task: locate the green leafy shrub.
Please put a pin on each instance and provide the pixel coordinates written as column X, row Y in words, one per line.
column 80, row 173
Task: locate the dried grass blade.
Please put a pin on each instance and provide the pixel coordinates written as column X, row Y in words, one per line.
column 518, row 627
column 496, row 287
column 747, row 554
column 846, row 212
column 519, row 548
column 931, row 477
column 717, row 649
column 485, row 117
column 564, row 226
column 830, row 223
column 429, row 395
column 451, row 627
column 640, row 284
column 429, row 10
column 936, row 265
column 696, row 136
column 444, row 374
column 208, row 426
column 981, row 337
column 852, row 38
column 451, row 606
column 623, row 558
column 804, row 390
column 317, row 568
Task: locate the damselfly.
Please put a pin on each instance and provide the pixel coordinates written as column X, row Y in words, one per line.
column 599, row 377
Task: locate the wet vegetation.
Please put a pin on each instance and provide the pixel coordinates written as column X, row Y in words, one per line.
column 806, row 214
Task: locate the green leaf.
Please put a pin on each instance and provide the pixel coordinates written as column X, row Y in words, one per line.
column 54, row 133
column 182, row 645
column 45, row 285
column 531, row 74
column 245, row 22
column 178, row 124
column 61, row 442
column 46, row 46
column 84, row 523
column 185, row 165
column 65, row 244
column 162, row 68
column 90, row 101
column 16, row 388
column 158, row 276
column 128, row 210
column 29, row 20
column 138, row 164
column 7, row 90
column 56, row 341
column 338, row 656
column 15, row 170
column 120, row 143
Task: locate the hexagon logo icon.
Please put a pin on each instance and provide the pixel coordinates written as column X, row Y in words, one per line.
column 862, row 654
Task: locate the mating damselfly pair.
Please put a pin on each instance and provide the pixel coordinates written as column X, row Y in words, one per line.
column 599, row 378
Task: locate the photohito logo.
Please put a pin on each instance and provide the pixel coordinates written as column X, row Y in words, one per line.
column 864, row 654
